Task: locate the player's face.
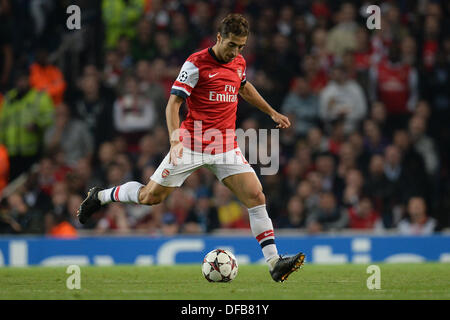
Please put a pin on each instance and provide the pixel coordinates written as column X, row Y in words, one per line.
column 230, row 47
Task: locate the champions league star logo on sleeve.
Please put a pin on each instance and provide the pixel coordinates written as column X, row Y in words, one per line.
column 183, row 76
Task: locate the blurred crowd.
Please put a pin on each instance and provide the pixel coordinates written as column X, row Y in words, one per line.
column 368, row 149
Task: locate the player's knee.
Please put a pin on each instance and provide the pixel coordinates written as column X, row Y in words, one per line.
column 257, row 197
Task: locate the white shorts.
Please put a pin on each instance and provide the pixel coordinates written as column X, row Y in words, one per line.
column 222, row 165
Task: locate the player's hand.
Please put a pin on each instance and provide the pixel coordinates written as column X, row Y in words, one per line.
column 282, row 120
column 176, row 152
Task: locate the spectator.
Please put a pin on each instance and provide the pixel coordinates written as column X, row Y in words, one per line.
column 70, row 135
column 330, row 181
column 378, row 114
column 321, row 12
column 320, row 50
column 362, row 57
column 308, row 196
column 119, row 17
column 285, row 20
column 412, row 160
column 83, row 171
column 94, row 110
column 156, row 12
column 21, row 218
column 405, row 184
column 436, row 86
column 363, row 216
column 392, row 167
column 376, row 183
column 143, row 47
column 342, row 36
column 47, row 77
column 134, row 114
column 164, row 48
column 342, row 99
column 179, row 204
column 423, row 144
column 123, row 50
column 356, row 141
column 300, row 34
column 57, row 220
column 328, row 215
column 169, row 226
column 317, row 77
column 115, row 219
column 429, row 42
column 347, row 159
column 150, row 88
column 395, row 84
column 292, row 175
column 353, row 188
column 163, row 74
column 423, row 110
column 302, row 105
column 417, row 222
column 230, row 212
column 147, row 152
column 278, row 62
column 112, row 70
column 336, row 136
column 374, row 141
column 182, row 39
column 317, row 142
column 73, row 203
column 203, row 217
column 201, row 19
column 296, row 215
column 409, row 51
column 25, row 115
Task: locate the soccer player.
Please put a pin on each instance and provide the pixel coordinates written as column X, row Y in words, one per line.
column 209, row 81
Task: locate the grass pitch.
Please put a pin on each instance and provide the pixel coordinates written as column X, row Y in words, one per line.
column 253, row 282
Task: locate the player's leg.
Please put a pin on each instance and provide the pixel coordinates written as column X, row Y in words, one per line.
column 135, row 192
column 247, row 188
column 165, row 179
column 130, row 192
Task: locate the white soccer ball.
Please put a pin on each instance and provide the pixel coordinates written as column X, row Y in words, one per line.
column 219, row 266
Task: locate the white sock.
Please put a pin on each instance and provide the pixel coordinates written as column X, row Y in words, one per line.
column 126, row 193
column 262, row 230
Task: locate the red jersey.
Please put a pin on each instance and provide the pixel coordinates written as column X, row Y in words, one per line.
column 211, row 89
column 358, row 222
column 394, row 87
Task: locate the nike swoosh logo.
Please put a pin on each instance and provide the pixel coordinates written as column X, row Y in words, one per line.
column 267, row 234
column 213, row 75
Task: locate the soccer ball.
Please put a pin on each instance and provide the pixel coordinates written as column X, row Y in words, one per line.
column 219, row 266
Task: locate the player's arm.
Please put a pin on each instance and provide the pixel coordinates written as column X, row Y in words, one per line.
column 181, row 90
column 252, row 96
column 173, row 125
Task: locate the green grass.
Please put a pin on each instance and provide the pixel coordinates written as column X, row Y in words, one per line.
column 398, row 281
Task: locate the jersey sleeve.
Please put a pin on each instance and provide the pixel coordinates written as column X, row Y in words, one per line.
column 244, row 74
column 186, row 80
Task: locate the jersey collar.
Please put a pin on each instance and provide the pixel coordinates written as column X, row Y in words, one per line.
column 211, row 52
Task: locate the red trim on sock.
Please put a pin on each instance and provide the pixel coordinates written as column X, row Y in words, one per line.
column 265, row 234
column 116, row 194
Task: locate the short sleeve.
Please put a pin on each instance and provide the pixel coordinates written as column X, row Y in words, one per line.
column 244, row 74
column 186, row 81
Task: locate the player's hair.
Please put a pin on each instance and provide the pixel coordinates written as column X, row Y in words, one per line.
column 235, row 24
